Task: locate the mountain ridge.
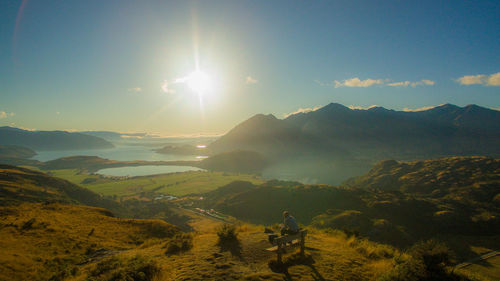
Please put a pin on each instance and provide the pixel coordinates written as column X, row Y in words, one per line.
column 51, row 140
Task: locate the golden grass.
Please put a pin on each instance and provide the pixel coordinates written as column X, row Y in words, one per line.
column 62, row 235
column 63, row 240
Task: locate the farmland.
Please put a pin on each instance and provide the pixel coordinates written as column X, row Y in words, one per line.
column 178, row 184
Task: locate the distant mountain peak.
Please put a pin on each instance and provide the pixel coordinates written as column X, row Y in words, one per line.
column 333, row 107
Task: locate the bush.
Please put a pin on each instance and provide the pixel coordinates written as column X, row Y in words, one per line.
column 227, row 234
column 114, row 269
column 427, row 261
column 181, row 242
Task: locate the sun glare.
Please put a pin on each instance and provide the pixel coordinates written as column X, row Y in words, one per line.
column 199, row 82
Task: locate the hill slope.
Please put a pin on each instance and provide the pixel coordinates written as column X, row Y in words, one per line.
column 396, row 203
column 51, row 241
column 19, row 185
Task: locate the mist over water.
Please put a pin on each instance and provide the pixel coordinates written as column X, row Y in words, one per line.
column 119, row 152
column 145, row 170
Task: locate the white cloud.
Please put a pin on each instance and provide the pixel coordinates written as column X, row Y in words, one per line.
column 135, row 90
column 494, row 79
column 166, row 89
column 480, row 79
column 302, row 110
column 356, row 82
column 358, row 107
column 418, row 109
column 423, row 82
column 400, row 84
column 251, row 80
column 4, row 114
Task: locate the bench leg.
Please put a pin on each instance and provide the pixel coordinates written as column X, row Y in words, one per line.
column 279, row 254
column 302, row 244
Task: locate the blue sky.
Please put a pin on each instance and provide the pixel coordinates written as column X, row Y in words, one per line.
column 123, row 65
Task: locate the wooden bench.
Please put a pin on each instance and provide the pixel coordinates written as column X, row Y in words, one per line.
column 281, row 243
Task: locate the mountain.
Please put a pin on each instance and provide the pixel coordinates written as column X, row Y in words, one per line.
column 335, row 142
column 338, row 131
column 51, row 140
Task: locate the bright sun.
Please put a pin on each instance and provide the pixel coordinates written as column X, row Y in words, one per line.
column 199, row 82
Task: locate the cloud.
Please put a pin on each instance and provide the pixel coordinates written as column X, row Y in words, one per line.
column 251, row 80
column 356, row 82
column 166, row 89
column 358, row 107
column 135, row 90
column 480, row 79
column 302, row 110
column 418, row 109
column 494, row 79
column 4, row 114
column 423, row 82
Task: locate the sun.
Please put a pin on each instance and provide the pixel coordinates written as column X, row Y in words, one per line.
column 199, row 82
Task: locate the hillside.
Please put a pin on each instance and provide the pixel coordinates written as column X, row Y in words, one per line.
column 52, row 241
column 19, row 185
column 448, row 196
column 240, row 161
column 57, row 241
column 14, row 151
column 51, row 140
column 432, row 176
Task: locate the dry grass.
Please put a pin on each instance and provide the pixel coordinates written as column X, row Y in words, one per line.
column 39, row 241
column 71, row 243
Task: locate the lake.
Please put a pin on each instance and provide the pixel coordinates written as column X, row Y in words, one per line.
column 145, row 170
column 119, row 152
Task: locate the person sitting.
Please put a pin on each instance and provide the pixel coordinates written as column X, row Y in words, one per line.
column 290, row 225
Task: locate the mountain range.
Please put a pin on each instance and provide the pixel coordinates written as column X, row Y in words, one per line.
column 51, row 140
column 338, row 131
column 335, row 142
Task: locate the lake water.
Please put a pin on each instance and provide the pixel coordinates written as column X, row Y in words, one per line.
column 120, row 153
column 145, row 170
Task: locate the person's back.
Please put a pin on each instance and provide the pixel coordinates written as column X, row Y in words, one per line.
column 290, row 224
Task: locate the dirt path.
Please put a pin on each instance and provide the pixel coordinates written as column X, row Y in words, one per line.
column 480, row 258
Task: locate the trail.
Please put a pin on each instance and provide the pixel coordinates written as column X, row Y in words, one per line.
column 480, row 258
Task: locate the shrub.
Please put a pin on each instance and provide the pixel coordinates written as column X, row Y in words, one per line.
column 181, row 242
column 427, row 261
column 114, row 269
column 227, row 234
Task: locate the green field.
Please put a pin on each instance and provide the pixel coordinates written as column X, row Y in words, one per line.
column 177, row 184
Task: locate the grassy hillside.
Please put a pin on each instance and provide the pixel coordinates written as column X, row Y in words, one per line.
column 447, row 197
column 52, row 241
column 56, row 241
column 437, row 175
column 25, row 185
